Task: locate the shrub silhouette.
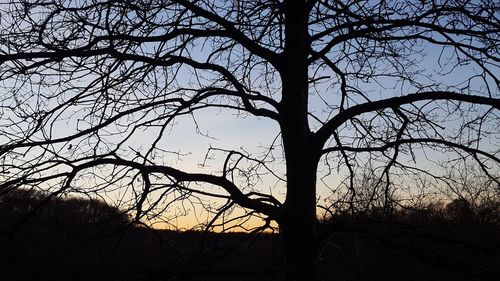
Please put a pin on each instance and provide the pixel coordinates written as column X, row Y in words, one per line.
column 33, row 206
column 460, row 211
column 489, row 211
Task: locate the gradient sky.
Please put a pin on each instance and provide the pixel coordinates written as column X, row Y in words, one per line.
column 224, row 129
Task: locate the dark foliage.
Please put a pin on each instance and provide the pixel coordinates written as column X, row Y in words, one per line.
column 66, row 240
column 32, row 207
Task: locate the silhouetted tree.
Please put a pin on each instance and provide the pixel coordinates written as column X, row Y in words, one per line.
column 22, row 205
column 459, row 210
column 91, row 90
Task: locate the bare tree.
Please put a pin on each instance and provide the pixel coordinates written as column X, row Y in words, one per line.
column 93, row 90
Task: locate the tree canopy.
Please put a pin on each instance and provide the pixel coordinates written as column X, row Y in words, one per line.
column 93, row 92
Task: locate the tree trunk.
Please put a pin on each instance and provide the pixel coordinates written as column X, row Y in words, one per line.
column 298, row 221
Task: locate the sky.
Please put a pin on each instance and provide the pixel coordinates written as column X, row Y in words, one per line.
column 192, row 136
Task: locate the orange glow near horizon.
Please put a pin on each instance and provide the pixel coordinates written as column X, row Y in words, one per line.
column 190, row 223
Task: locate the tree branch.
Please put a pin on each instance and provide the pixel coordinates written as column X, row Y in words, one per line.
column 327, row 130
